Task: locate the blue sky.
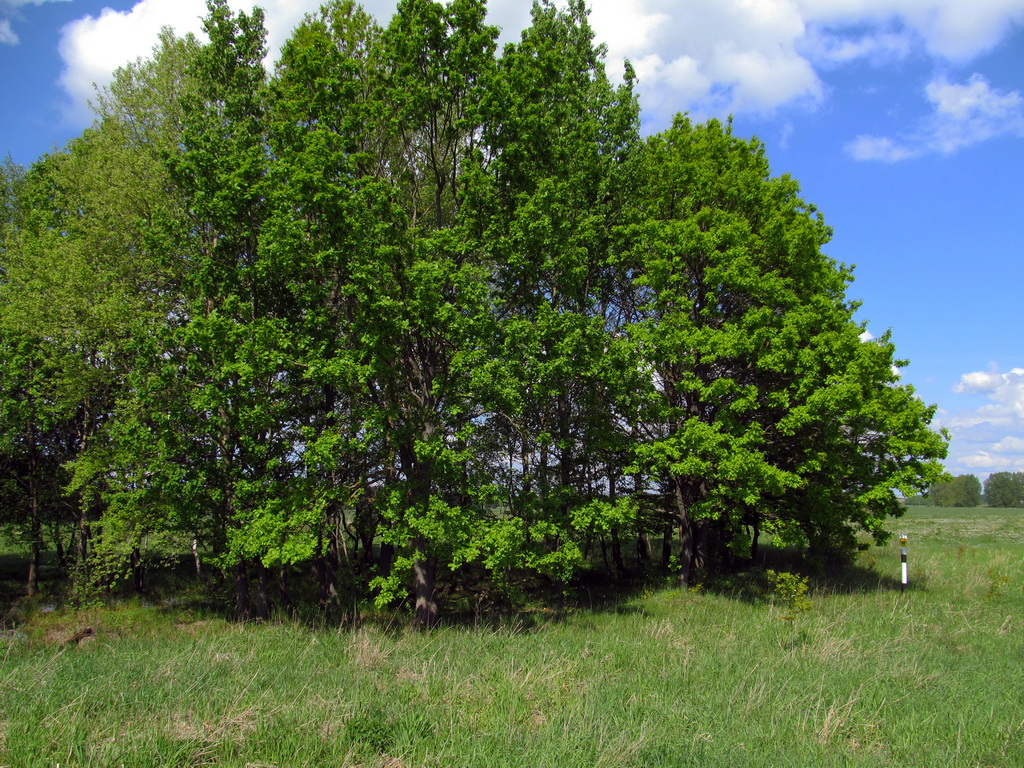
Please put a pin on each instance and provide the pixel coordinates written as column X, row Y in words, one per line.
column 903, row 120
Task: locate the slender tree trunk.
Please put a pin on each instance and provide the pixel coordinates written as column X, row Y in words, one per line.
column 666, row 546
column 686, row 540
column 58, row 543
column 282, row 590
column 333, row 553
column 138, row 572
column 32, row 587
column 84, row 534
column 35, row 554
column 243, row 609
column 35, row 522
column 620, row 563
column 643, row 547
column 262, row 598
column 34, row 561
column 325, row 574
column 195, row 558
column 565, row 448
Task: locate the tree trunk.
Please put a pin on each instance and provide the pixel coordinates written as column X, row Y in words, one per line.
column 84, row 534
column 138, row 572
column 243, row 609
column 620, row 563
column 701, row 547
column 35, row 554
column 195, row 558
column 424, row 572
column 686, row 541
column 262, row 600
column 325, row 575
column 282, row 590
column 643, row 548
column 62, row 560
column 685, row 553
column 36, row 525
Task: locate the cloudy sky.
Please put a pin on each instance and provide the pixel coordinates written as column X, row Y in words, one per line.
column 903, row 120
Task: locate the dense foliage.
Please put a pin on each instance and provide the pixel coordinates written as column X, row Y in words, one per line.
column 413, row 312
column 1005, row 489
column 960, row 491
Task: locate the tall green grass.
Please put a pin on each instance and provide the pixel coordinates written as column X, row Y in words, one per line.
column 870, row 676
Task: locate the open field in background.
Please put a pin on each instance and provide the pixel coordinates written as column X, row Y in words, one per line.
column 869, row 676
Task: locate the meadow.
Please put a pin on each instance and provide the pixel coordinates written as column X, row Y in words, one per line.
column 870, row 675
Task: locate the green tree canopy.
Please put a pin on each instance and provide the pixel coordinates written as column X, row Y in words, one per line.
column 1005, row 489
column 421, row 313
column 961, row 491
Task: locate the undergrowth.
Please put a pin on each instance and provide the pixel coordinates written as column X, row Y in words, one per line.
column 659, row 677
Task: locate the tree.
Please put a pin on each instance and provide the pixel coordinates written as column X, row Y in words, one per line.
column 33, row 443
column 330, row 216
column 90, row 271
column 1005, row 489
column 229, row 438
column 426, row 320
column 762, row 404
column 961, row 491
column 556, row 132
column 413, row 311
column 71, row 291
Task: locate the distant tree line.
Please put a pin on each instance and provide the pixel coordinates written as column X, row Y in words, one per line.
column 413, row 313
column 1001, row 489
column 961, row 491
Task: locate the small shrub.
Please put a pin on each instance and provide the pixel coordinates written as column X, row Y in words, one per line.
column 791, row 591
column 997, row 582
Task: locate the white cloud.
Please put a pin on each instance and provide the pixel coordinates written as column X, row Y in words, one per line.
column 1005, row 388
column 7, row 36
column 971, row 113
column 962, row 115
column 951, row 29
column 879, row 148
column 831, row 48
column 94, row 46
column 8, row 8
column 625, row 24
column 1009, row 445
column 708, row 57
column 987, row 463
column 713, row 57
column 989, row 438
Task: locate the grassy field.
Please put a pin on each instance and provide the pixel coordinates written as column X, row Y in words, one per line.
column 869, row 676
